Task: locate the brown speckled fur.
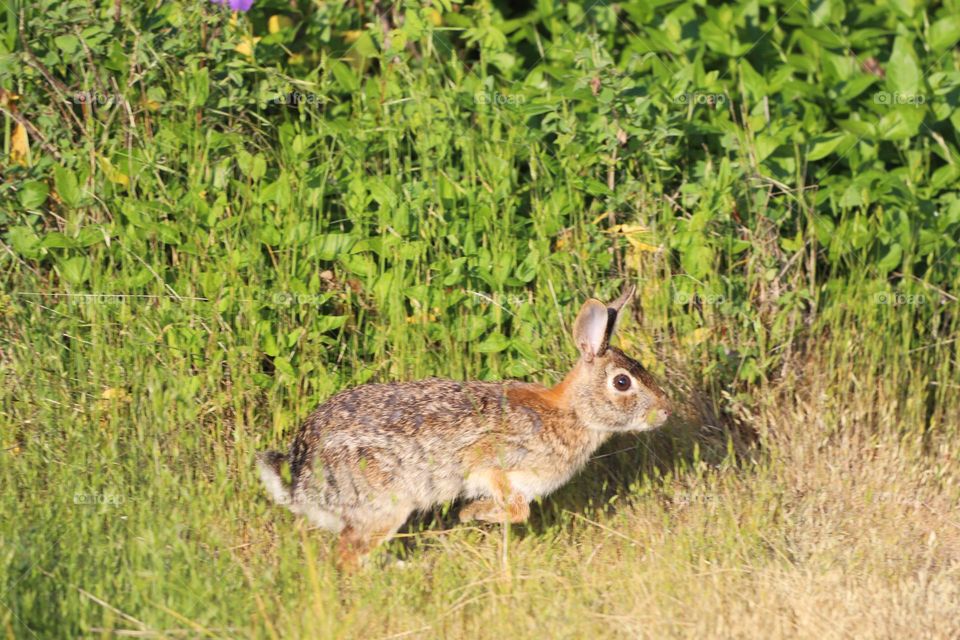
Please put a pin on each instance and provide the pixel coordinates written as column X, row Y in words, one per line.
column 370, row 456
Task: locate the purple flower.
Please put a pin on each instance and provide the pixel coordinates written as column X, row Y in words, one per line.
column 235, row 5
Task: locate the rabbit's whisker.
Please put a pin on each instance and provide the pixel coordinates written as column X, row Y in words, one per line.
column 613, row 453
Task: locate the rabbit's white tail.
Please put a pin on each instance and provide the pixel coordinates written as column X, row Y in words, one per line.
column 268, row 462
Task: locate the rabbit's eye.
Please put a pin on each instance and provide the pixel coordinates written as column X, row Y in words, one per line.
column 622, row 382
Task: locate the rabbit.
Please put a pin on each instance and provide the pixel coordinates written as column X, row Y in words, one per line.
column 370, row 456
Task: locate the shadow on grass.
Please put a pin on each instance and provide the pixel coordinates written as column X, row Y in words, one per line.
column 620, row 466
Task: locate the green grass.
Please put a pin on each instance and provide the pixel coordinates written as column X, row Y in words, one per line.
column 794, row 249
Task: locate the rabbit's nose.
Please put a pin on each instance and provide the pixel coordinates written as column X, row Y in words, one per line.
column 663, row 405
column 665, row 410
column 658, row 416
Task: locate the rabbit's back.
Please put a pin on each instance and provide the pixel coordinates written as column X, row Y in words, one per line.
column 411, row 441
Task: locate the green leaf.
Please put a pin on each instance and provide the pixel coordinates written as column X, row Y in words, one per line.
column 753, row 82
column 859, row 128
column 269, row 235
column 856, row 85
column 33, row 194
column 944, row 34
column 119, row 58
column 697, row 260
column 345, row 77
column 67, row 43
column 765, row 145
column 750, row 371
column 412, row 25
column 360, row 264
column 903, row 70
column 56, row 240
column 365, row 46
column 331, row 246
column 294, row 336
column 945, row 176
column 825, row 146
column 75, row 270
column 329, row 323
column 167, row 232
column 24, row 241
column 283, row 365
column 901, row 124
column 90, row 236
column 67, row 186
column 851, row 197
column 892, row 260
column 656, row 41
column 476, row 326
column 252, row 166
column 527, row 270
column 826, row 37
column 495, row 343
column 905, row 8
column 270, row 345
column 139, row 278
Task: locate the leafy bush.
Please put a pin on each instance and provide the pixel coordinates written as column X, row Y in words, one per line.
column 743, row 143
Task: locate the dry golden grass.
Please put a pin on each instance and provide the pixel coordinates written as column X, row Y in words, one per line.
column 828, row 533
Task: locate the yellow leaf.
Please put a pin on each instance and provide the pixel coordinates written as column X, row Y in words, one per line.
column 605, row 214
column 435, row 18
column 113, row 174
column 109, row 397
column 643, row 246
column 20, row 146
column 278, row 22
column 246, row 46
column 7, row 98
column 115, row 393
column 633, row 233
column 628, row 229
column 120, row 178
column 351, row 36
column 696, row 336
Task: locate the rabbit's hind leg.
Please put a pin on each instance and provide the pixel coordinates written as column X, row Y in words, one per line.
column 505, row 504
column 363, row 534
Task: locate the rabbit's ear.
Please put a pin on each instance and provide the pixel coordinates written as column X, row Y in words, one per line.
column 614, row 315
column 590, row 329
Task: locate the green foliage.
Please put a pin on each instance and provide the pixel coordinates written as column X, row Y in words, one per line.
column 358, row 143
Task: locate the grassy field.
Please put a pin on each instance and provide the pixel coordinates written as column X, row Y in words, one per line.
column 211, row 222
